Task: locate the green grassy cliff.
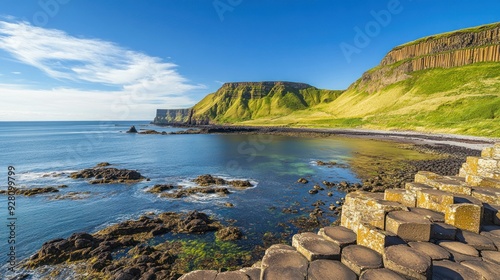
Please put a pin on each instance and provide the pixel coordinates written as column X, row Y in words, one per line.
column 446, row 83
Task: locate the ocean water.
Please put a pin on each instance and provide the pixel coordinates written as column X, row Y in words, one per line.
column 44, row 153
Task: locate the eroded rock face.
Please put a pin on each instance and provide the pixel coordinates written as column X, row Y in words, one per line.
column 108, row 175
column 229, row 233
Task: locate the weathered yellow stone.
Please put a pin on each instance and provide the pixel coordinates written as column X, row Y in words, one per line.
column 409, row 226
column 488, row 164
column 465, row 216
column 376, row 239
column 472, row 165
column 415, row 187
column 404, row 197
column 434, row 200
column 488, row 195
column 451, row 185
column 363, row 207
column 480, row 181
column 424, row 176
column 488, row 152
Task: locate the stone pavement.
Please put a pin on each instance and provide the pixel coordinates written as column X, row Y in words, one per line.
column 438, row 227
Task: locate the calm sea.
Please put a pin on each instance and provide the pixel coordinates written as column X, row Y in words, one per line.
column 44, row 153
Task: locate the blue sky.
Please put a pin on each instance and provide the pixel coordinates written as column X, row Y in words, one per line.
column 117, row 60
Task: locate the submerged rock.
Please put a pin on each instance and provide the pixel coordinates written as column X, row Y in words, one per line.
column 229, row 234
column 31, row 191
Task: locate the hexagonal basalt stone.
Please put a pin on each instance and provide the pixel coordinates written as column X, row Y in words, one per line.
column 200, row 275
column 360, row 258
column 232, row 275
column 283, row 273
column 405, row 197
column 376, row 239
column 408, row 225
column 380, row 274
column 492, row 229
column 488, row 270
column 452, row 270
column 459, row 247
column 433, row 216
column 435, row 200
column 284, row 258
column 442, row 231
column 252, row 272
column 434, row 251
column 408, row 262
column 339, row 235
column 315, row 247
column 475, row 240
column 464, row 216
column 491, row 256
column 329, row 270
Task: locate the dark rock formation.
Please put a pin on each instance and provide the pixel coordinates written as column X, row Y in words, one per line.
column 209, row 180
column 229, row 234
column 30, row 191
column 132, row 130
column 107, row 175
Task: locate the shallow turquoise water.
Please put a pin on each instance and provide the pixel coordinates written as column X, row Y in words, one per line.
column 43, row 153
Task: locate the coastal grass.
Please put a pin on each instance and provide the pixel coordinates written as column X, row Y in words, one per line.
column 461, row 100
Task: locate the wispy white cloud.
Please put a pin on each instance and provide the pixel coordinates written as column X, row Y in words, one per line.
column 65, row 57
column 16, row 73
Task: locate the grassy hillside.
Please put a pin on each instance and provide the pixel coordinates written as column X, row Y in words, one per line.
column 460, row 100
column 248, row 101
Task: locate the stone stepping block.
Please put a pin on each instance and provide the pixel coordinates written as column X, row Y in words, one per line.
column 465, row 216
column 424, row 177
column 284, row 258
column 435, row 200
column 377, row 239
column 414, row 187
column 252, row 272
column 491, row 214
column 339, row 235
column 488, row 195
column 460, row 251
column 491, row 152
column 491, row 256
column 480, row 242
column 359, row 258
column 362, row 207
column 409, row 262
column 452, row 270
column 200, row 275
column 315, row 247
column 232, row 275
column 488, row 270
column 480, row 181
column 433, row 216
column 409, row 226
column 437, row 253
column 460, row 198
column 329, row 270
column 280, row 246
column 442, row 231
column 283, row 273
column 492, row 237
column 448, row 184
column 405, row 197
column 379, row 274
